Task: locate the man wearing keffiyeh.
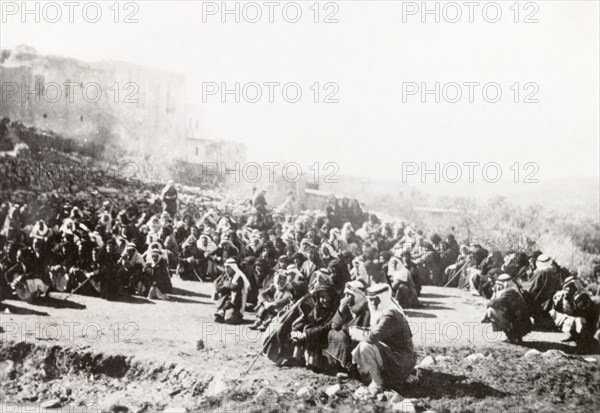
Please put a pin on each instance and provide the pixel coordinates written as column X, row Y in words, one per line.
column 385, row 351
column 353, row 311
column 231, row 293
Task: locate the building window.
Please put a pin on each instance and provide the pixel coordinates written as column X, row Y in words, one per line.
column 196, row 151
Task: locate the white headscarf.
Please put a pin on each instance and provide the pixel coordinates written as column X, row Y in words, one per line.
column 357, row 290
column 543, row 262
column 397, row 271
column 230, row 262
column 384, row 293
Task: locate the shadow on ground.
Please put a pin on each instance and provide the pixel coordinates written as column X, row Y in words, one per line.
column 568, row 349
column 58, row 303
column 21, row 311
column 436, row 385
column 181, row 291
column 411, row 313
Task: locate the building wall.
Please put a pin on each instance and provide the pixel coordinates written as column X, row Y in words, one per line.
column 195, row 124
column 140, row 109
column 201, row 151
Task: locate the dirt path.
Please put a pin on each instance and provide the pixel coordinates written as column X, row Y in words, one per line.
column 153, row 345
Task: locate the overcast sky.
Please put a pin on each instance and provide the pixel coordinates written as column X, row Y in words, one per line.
column 369, row 53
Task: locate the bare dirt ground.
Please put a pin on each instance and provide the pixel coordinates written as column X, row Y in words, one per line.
column 87, row 354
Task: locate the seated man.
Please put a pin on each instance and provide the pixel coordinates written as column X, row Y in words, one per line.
column 563, row 300
column 542, row 287
column 403, row 288
column 484, row 280
column 313, row 336
column 8, row 258
column 413, row 270
column 131, row 265
column 589, row 311
column 311, row 264
column 508, row 310
column 385, row 351
column 455, row 271
column 353, row 311
column 157, row 274
column 580, row 320
column 278, row 346
column 231, row 291
column 191, row 263
column 24, row 278
column 271, row 300
column 104, row 271
column 432, row 262
column 208, row 248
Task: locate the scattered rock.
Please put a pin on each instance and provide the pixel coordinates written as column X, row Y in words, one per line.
column 405, row 406
column 29, row 393
column 51, row 404
column 6, row 370
column 306, row 393
column 442, row 359
column 175, row 392
column 267, row 394
column 531, row 353
column 362, row 393
column 200, row 344
column 427, row 361
column 333, row 390
column 554, row 354
column 144, row 407
column 589, row 359
column 475, row 357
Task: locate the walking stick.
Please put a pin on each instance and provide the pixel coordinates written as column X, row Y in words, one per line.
column 457, row 273
column 253, row 361
column 268, row 340
column 196, row 274
column 78, row 287
column 257, row 356
column 193, row 270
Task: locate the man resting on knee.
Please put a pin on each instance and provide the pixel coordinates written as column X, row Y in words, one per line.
column 385, row 351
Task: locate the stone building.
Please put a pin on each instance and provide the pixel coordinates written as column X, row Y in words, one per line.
column 137, row 108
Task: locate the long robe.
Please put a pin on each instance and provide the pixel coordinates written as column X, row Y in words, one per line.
column 278, row 345
column 392, row 338
column 339, row 344
column 510, row 313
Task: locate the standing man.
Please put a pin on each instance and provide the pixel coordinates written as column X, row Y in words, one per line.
column 168, row 197
column 260, row 202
